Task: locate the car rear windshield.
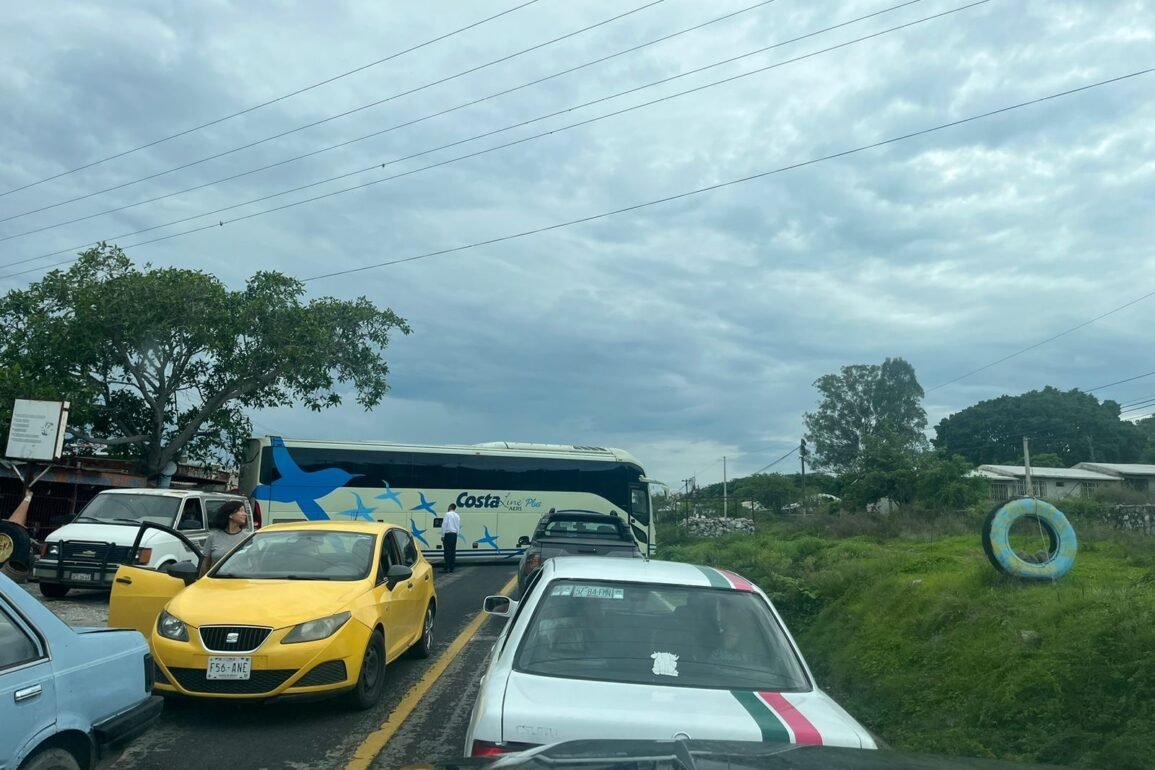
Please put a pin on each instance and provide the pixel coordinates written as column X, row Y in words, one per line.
column 677, row 636
column 297, row 555
column 583, row 527
column 158, row 509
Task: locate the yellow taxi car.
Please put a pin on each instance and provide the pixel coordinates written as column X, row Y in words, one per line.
column 300, row 609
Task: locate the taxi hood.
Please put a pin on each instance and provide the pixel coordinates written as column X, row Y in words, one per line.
column 277, row 603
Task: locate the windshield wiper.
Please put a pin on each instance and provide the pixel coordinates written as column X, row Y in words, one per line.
column 306, row 577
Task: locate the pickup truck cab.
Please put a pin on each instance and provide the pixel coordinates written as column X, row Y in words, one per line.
column 574, row 532
column 69, row 694
column 87, row 552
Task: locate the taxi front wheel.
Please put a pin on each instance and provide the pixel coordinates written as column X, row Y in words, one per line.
column 371, row 682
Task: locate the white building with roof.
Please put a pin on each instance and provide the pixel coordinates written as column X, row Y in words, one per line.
column 1007, row 481
column 1135, row 475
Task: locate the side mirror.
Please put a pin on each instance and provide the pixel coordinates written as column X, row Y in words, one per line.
column 501, row 606
column 184, row 570
column 523, row 540
column 396, row 574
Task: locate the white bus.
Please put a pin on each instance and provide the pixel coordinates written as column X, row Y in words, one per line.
column 501, row 489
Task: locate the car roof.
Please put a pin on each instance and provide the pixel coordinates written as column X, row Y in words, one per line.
column 168, row 492
column 373, row 527
column 643, row 571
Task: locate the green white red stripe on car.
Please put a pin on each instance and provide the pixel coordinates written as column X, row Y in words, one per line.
column 778, row 718
column 724, row 578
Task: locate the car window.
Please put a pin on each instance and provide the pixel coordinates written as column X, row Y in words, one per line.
column 389, row 555
column 316, row 554
column 404, row 546
column 16, row 646
column 534, row 581
column 192, row 517
column 583, row 526
column 678, row 636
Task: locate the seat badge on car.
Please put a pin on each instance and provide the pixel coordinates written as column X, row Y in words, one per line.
column 232, row 637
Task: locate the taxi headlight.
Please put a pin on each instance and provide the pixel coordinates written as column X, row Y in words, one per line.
column 314, row 630
column 171, row 627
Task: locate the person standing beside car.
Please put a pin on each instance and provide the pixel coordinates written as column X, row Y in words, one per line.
column 226, row 530
column 450, row 529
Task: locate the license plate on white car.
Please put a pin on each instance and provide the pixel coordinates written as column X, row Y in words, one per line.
column 81, row 577
column 229, row 668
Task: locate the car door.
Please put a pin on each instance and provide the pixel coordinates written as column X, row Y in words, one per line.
column 411, row 593
column 27, row 683
column 138, row 595
column 390, row 608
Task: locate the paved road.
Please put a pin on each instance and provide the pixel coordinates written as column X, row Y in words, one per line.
column 322, row 735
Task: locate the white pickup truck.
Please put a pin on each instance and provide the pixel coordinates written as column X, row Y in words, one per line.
column 86, row 552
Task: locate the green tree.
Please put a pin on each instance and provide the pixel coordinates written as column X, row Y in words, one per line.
column 161, row 362
column 1072, row 425
column 770, row 490
column 943, row 482
column 861, row 404
column 884, row 469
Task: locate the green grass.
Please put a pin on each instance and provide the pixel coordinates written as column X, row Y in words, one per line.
column 923, row 641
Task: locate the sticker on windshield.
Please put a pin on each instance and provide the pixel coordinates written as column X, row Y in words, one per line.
column 665, row 663
column 562, row 590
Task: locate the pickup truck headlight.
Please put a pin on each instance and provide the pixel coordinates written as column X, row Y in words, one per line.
column 315, row 630
column 50, row 549
column 171, row 627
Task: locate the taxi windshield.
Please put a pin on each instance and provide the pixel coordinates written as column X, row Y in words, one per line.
column 660, row 635
column 297, row 555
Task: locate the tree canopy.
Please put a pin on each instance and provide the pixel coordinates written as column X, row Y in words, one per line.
column 1072, row 426
column 862, row 405
column 164, row 361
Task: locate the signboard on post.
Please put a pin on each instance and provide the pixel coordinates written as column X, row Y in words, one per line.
column 37, row 430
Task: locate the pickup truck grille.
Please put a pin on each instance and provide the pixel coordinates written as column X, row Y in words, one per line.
column 94, row 552
column 233, row 638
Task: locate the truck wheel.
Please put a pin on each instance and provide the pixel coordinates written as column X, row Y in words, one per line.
column 51, row 759
column 53, row 590
column 15, row 545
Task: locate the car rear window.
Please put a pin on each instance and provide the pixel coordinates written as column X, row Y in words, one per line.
column 677, row 636
column 584, row 528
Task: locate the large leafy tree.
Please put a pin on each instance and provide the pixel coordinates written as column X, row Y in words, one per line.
column 863, row 405
column 160, row 362
column 1071, row 425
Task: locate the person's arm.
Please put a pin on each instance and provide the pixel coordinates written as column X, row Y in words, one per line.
column 204, row 567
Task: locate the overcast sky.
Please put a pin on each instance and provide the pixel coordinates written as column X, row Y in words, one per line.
column 683, row 331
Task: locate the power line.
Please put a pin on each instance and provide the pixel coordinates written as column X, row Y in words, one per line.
column 495, row 148
column 1118, row 382
column 1073, row 328
column 271, row 101
column 363, row 107
column 657, row 201
column 780, row 459
column 430, row 116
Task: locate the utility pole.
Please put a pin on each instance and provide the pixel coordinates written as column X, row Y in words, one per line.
column 1027, row 466
column 725, row 492
column 802, row 456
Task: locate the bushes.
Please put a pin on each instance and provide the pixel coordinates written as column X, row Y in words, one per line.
column 918, row 637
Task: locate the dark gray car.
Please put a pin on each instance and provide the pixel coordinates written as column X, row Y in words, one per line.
column 573, row 532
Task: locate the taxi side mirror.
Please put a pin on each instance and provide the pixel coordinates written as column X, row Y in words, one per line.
column 396, row 574
column 184, row 570
column 502, row 606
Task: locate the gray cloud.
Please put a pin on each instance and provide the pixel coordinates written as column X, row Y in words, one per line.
column 681, row 332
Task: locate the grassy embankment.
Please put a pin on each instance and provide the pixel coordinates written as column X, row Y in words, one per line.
column 909, row 627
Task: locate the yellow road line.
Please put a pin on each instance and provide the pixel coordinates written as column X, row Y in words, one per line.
column 375, row 741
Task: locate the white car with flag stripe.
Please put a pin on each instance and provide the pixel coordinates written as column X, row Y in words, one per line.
column 638, row 649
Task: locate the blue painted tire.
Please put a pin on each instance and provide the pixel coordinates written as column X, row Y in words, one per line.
column 1063, row 545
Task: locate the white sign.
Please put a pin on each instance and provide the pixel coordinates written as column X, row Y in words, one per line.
column 37, row 431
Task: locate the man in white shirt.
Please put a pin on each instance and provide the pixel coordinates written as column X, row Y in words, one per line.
column 450, row 528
